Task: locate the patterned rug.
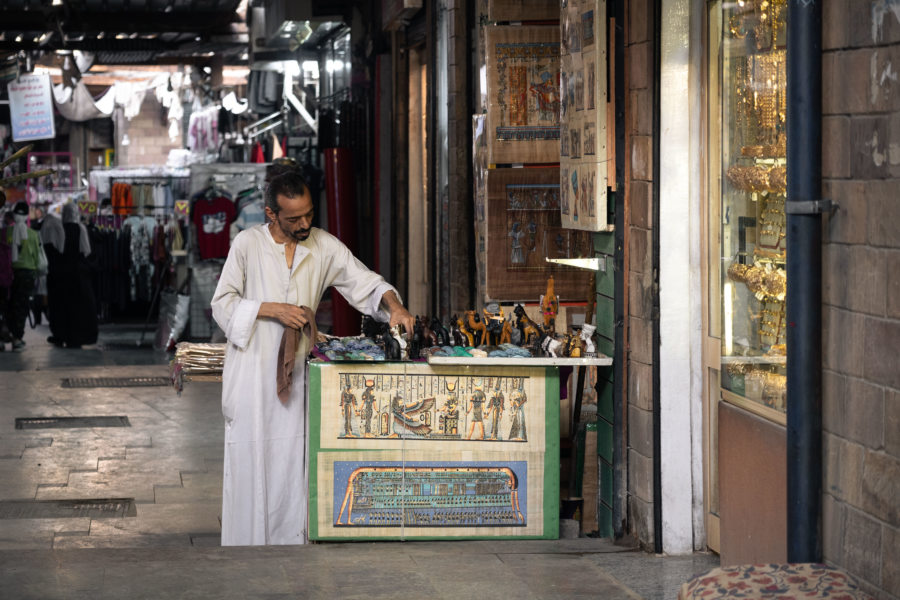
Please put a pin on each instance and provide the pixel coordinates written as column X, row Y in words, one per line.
column 801, row 580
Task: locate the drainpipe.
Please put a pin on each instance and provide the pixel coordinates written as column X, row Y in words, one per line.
column 620, row 411
column 804, row 281
column 655, row 241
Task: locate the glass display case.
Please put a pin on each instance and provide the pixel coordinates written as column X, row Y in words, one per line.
column 748, row 184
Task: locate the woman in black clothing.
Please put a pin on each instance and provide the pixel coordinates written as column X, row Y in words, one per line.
column 53, row 237
column 73, row 308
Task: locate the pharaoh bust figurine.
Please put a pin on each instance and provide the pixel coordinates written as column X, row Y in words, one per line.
column 587, row 336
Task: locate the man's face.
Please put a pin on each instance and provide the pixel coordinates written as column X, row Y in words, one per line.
column 295, row 217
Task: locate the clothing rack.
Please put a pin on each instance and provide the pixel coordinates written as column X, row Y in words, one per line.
column 101, row 180
column 178, row 187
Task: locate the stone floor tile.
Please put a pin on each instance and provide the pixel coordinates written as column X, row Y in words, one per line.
column 163, row 518
column 25, row 534
column 122, row 540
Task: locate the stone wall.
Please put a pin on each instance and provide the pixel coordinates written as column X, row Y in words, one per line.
column 148, row 135
column 861, row 295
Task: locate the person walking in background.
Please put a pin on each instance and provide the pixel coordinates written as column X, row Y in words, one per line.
column 6, row 272
column 53, row 237
column 25, row 251
column 73, row 308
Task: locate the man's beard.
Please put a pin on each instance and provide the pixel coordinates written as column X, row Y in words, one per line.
column 299, row 235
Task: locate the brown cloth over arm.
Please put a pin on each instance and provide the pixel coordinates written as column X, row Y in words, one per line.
column 287, row 353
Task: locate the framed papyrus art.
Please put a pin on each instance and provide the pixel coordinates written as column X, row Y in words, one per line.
column 411, row 451
column 584, row 168
column 522, row 65
column 523, row 230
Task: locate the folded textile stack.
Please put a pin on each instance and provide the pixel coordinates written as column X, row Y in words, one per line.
column 200, row 358
column 196, row 359
column 349, row 348
column 501, row 351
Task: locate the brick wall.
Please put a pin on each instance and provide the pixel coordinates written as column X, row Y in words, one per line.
column 861, row 295
column 148, row 134
column 639, row 84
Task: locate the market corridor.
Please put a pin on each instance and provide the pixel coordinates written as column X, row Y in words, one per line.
column 133, row 510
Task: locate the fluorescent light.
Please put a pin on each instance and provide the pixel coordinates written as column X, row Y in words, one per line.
column 591, row 264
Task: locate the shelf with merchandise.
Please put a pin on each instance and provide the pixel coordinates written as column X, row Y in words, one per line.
column 752, row 182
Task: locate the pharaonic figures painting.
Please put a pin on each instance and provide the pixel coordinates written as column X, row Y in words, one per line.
column 523, row 94
column 430, row 407
column 524, row 229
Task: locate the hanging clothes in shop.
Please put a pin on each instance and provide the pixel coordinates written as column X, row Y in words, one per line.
column 122, row 199
column 203, row 130
column 277, row 150
column 262, row 91
column 250, row 209
column 257, row 155
column 110, row 259
column 142, row 230
column 212, row 214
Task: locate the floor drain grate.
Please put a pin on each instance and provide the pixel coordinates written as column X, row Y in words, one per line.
column 70, row 422
column 96, row 382
column 99, row 508
column 148, row 345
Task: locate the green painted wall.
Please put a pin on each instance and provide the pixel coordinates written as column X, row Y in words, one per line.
column 604, row 248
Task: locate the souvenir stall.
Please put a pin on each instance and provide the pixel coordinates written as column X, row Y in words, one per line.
column 446, row 432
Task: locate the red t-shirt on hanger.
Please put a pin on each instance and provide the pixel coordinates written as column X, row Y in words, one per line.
column 212, row 217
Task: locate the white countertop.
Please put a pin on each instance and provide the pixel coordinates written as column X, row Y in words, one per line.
column 598, row 361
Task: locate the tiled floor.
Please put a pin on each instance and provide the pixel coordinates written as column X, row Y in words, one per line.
column 170, row 462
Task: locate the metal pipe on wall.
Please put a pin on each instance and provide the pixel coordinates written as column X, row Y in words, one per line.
column 655, row 252
column 804, row 281
column 620, row 440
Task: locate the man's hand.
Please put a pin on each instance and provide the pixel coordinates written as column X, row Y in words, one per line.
column 399, row 314
column 288, row 315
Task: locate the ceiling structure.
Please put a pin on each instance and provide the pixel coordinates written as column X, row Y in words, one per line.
column 127, row 31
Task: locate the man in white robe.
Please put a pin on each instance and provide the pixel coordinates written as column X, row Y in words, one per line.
column 271, row 271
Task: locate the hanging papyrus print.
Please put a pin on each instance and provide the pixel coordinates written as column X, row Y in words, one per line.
column 583, row 115
column 523, row 94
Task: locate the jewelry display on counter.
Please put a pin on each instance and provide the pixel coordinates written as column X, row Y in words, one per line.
column 748, row 202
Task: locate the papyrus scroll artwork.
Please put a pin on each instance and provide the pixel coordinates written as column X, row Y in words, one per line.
column 522, row 66
column 413, row 451
column 583, row 115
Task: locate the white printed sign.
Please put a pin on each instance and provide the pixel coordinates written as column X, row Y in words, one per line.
column 31, row 108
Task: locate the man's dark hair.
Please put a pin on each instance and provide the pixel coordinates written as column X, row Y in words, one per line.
column 289, row 184
column 280, row 166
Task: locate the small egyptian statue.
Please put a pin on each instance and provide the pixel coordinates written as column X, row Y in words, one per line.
column 550, row 306
column 440, row 333
column 587, row 336
column 429, row 338
column 476, row 327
